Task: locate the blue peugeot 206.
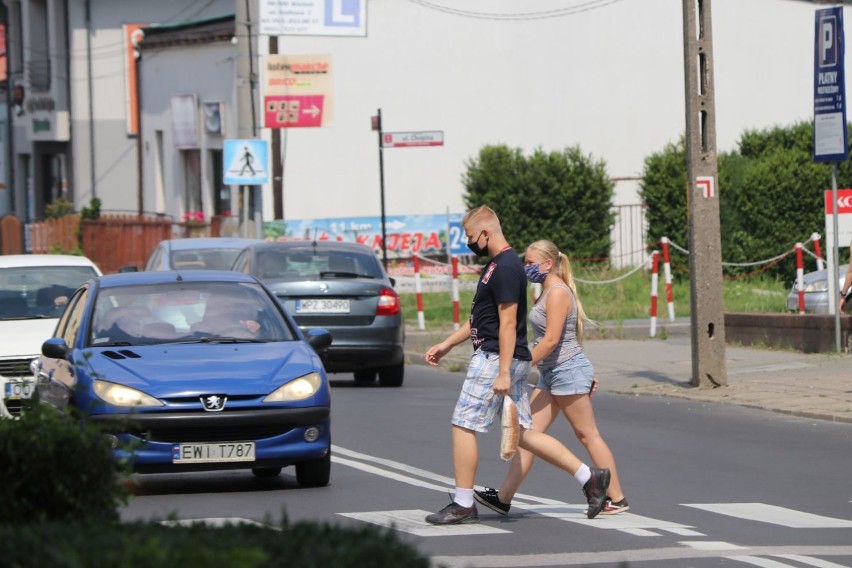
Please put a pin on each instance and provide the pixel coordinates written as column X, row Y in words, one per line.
column 192, row 371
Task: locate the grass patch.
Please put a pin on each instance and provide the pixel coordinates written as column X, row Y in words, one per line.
column 627, row 298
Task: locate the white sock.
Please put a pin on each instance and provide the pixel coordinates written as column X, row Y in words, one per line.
column 464, row 497
column 583, row 474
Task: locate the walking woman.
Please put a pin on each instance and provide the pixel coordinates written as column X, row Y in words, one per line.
column 566, row 376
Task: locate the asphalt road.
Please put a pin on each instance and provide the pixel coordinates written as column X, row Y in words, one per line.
column 709, row 484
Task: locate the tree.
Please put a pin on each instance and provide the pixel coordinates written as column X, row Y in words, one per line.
column 562, row 196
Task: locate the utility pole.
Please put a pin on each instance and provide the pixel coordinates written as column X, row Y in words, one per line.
column 709, row 368
column 246, row 15
column 277, row 161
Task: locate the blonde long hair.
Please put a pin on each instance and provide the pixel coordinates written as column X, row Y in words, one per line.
column 562, row 269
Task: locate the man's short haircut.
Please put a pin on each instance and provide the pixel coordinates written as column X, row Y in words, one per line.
column 482, row 215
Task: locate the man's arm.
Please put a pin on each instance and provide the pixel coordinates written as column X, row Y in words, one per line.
column 434, row 354
column 508, row 312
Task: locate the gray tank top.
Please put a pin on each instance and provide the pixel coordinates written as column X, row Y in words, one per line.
column 568, row 345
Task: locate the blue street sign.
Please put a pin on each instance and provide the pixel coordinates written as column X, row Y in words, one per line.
column 457, row 238
column 830, row 138
column 246, row 162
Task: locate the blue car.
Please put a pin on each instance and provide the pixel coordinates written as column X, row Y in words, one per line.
column 191, row 371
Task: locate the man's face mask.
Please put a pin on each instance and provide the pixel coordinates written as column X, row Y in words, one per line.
column 475, row 248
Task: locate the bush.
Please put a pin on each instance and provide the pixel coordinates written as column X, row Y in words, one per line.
column 139, row 545
column 53, row 467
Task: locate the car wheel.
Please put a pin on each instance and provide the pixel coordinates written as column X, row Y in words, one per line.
column 392, row 376
column 266, row 472
column 314, row 473
column 365, row 376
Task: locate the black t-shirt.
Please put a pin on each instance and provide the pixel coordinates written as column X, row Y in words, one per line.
column 502, row 281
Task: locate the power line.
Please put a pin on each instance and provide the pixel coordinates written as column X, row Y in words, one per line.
column 517, row 16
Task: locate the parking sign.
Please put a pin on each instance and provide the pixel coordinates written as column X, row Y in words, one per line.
column 830, row 139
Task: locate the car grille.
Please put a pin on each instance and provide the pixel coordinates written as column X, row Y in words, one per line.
column 232, row 434
column 13, row 407
column 15, row 367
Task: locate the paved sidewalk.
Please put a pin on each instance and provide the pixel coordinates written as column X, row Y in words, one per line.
column 814, row 385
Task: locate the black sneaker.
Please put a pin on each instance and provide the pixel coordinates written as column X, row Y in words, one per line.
column 595, row 491
column 489, row 498
column 615, row 507
column 454, row 514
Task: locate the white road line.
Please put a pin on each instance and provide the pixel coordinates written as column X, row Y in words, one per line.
column 633, row 557
column 772, row 514
column 214, row 522
column 711, row 545
column 818, row 562
column 758, row 561
column 412, row 521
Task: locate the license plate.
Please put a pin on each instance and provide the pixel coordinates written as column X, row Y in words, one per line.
column 213, row 452
column 322, row 306
column 16, row 389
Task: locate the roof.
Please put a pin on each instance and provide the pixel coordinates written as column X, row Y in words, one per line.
column 210, row 30
column 167, row 276
column 310, row 245
column 25, row 260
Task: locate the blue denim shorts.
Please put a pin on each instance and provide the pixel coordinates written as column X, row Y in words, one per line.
column 574, row 376
column 478, row 405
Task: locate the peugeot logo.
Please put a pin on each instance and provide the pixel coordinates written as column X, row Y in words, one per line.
column 213, row 402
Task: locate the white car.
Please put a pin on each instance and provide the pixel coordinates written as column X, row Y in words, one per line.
column 34, row 289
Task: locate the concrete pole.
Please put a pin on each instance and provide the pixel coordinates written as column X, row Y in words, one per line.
column 246, row 15
column 709, row 368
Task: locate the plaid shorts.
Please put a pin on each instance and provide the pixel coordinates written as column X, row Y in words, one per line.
column 478, row 405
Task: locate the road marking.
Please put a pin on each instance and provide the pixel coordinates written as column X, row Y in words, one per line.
column 412, row 521
column 819, row 563
column 630, row 523
column 770, row 368
column 632, row 557
column 772, row 514
column 213, row 522
column 711, row 545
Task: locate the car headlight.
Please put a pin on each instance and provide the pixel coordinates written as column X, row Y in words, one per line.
column 120, row 395
column 298, row 389
column 821, row 286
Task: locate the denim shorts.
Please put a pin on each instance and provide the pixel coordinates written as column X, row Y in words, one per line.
column 478, row 405
column 574, row 376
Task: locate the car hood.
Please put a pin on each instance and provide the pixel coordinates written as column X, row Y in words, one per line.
column 24, row 337
column 165, row 371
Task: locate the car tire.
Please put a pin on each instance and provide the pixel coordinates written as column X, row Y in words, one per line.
column 392, row 376
column 266, row 472
column 365, row 376
column 314, row 473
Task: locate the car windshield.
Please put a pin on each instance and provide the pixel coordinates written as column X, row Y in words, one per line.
column 32, row 292
column 204, row 259
column 307, row 264
column 186, row 312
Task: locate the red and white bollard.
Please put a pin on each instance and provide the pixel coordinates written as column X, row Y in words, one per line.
column 667, row 270
column 421, row 322
column 655, row 280
column 820, row 262
column 800, row 278
column 456, row 323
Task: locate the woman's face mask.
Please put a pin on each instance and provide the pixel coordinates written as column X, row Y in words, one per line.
column 534, row 273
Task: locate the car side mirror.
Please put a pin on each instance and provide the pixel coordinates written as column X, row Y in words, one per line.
column 392, row 281
column 55, row 348
column 319, row 339
column 128, row 268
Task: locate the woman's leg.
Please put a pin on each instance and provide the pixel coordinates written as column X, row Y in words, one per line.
column 580, row 414
column 544, row 412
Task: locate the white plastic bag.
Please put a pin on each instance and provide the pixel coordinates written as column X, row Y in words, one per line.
column 510, row 431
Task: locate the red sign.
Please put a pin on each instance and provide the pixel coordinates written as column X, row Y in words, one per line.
column 410, row 139
column 844, row 202
column 290, row 111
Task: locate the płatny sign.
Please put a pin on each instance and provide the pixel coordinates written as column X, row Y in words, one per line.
column 412, row 139
column 830, row 140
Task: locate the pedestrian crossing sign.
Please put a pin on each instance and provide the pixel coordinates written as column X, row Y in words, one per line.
column 246, row 162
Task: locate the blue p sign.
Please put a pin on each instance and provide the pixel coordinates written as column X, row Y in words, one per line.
column 828, row 41
column 345, row 13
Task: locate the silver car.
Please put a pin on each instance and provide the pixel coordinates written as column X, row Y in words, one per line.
column 341, row 287
column 816, row 291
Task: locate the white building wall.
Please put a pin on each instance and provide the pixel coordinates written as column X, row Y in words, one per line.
column 115, row 177
column 608, row 79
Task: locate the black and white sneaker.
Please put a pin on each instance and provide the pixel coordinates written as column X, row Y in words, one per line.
column 615, row 507
column 489, row 498
column 454, row 514
column 595, row 491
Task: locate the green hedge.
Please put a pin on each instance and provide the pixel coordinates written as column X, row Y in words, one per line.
column 140, row 545
column 54, row 467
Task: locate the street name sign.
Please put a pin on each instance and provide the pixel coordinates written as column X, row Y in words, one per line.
column 411, row 139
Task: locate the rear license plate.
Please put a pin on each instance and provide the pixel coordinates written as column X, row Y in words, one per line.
column 322, row 306
column 213, row 453
column 16, row 389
